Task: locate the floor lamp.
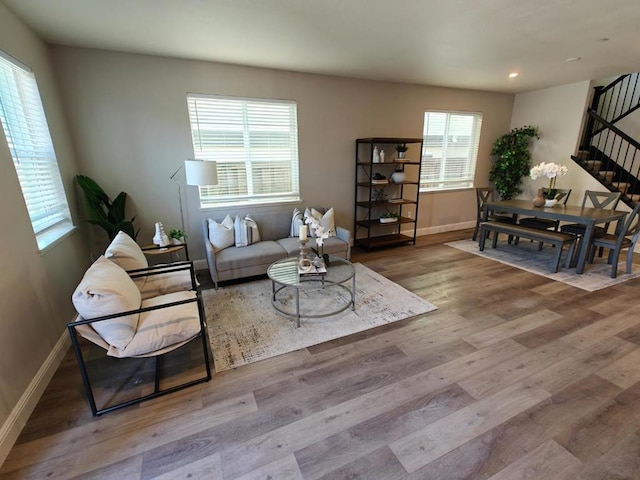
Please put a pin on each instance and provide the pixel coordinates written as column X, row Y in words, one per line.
column 197, row 173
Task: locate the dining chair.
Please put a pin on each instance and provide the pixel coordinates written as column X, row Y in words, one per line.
column 606, row 200
column 562, row 196
column 627, row 238
column 484, row 195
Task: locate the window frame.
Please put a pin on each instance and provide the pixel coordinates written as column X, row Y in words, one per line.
column 266, row 148
column 470, row 159
column 28, row 138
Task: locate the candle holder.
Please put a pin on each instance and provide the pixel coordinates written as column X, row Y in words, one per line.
column 304, row 250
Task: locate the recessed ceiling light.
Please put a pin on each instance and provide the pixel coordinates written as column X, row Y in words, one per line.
column 513, row 74
column 573, row 59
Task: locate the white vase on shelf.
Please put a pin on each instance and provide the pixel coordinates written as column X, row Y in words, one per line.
column 550, row 202
column 376, row 155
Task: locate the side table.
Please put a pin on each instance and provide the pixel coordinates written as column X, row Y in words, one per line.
column 154, row 250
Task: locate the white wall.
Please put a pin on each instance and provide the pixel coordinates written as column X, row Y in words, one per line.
column 35, row 288
column 558, row 112
column 128, row 118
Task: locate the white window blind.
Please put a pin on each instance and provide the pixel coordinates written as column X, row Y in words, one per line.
column 450, row 150
column 254, row 143
column 27, row 133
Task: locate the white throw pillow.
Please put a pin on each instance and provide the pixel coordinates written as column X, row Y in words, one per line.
column 296, row 222
column 221, row 235
column 106, row 289
column 125, row 252
column 246, row 231
column 327, row 221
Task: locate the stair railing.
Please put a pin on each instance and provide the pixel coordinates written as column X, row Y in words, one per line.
column 617, row 152
column 618, row 99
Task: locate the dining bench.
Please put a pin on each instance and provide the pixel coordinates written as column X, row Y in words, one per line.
column 557, row 239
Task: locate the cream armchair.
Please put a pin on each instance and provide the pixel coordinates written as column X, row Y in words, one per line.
column 114, row 315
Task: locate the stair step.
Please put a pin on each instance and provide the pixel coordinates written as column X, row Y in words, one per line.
column 593, row 165
column 607, row 175
column 622, row 186
column 583, row 154
column 635, row 197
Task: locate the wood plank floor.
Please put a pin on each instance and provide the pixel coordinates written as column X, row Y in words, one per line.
column 513, row 377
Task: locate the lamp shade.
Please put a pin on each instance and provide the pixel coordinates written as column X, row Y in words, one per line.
column 201, row 172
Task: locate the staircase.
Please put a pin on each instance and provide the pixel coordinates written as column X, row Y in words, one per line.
column 609, row 154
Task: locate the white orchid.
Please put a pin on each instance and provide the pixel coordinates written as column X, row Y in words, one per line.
column 320, row 235
column 550, row 170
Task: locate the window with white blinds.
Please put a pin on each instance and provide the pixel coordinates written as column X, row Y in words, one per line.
column 27, row 133
column 254, row 143
column 449, row 150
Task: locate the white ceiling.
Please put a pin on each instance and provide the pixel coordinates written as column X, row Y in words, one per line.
column 461, row 43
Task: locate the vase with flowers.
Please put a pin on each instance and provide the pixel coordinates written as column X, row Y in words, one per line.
column 321, row 235
column 551, row 171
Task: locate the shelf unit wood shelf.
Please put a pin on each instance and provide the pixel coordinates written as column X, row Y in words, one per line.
column 368, row 231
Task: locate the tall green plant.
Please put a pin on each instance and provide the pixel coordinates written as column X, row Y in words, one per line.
column 104, row 212
column 511, row 161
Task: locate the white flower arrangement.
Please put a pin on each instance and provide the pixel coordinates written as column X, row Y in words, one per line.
column 320, row 235
column 550, row 170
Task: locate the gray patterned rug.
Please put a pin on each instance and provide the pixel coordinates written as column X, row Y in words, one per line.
column 526, row 256
column 245, row 328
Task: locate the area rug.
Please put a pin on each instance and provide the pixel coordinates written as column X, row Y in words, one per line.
column 526, row 256
column 245, row 328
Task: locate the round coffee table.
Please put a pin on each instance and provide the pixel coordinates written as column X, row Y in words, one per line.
column 284, row 276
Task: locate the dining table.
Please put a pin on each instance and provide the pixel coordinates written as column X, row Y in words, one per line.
column 587, row 216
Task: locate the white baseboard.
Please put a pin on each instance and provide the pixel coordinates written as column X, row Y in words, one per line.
column 446, row 228
column 29, row 399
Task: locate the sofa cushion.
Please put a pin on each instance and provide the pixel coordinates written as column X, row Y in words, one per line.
column 246, row 231
column 125, row 252
column 221, row 235
column 326, row 220
column 261, row 253
column 162, row 328
column 106, row 289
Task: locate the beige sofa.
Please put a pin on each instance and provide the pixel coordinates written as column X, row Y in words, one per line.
column 275, row 243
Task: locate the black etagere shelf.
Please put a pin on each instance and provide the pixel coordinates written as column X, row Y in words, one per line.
column 377, row 197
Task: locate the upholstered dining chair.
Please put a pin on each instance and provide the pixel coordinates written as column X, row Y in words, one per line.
column 627, row 239
column 484, row 195
column 113, row 315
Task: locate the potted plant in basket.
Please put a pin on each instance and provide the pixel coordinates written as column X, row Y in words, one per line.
column 402, row 150
column 177, row 236
column 388, row 217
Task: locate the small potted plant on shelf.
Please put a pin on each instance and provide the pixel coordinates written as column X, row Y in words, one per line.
column 388, row 217
column 177, row 236
column 402, row 151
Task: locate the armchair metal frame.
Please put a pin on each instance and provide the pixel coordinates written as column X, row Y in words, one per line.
column 157, row 392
